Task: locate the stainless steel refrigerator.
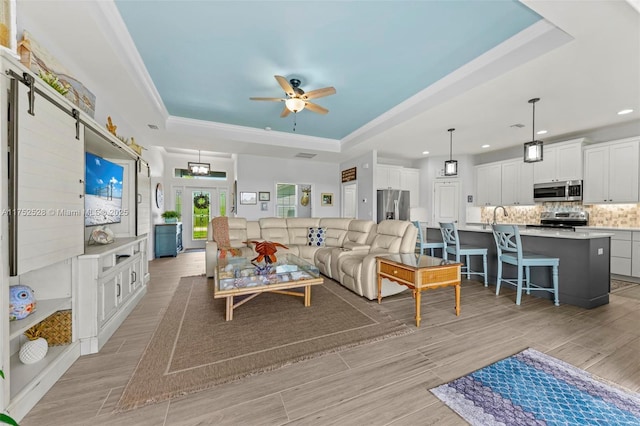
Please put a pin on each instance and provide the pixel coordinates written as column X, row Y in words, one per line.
column 393, row 204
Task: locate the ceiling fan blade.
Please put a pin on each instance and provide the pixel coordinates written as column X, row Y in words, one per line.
column 285, row 85
column 268, row 99
column 319, row 93
column 316, row 108
column 285, row 112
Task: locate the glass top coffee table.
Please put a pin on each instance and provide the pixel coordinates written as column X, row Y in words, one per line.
column 238, row 280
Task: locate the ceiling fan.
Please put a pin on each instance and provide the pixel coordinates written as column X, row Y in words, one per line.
column 297, row 99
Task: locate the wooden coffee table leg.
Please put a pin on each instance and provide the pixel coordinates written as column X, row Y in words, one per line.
column 416, row 295
column 457, row 288
column 229, row 311
column 307, row 295
column 379, row 289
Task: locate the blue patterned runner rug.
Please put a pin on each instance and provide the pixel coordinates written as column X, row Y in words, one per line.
column 531, row 388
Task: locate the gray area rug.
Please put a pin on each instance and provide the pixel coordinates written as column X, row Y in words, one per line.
column 194, row 348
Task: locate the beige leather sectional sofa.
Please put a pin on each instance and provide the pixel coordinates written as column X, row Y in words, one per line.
column 349, row 251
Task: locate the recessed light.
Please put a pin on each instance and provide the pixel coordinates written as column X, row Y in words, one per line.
column 425, row 152
column 625, row 111
column 267, row 128
column 486, row 146
column 541, row 132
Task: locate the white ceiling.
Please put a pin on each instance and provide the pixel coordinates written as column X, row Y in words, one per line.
column 582, row 60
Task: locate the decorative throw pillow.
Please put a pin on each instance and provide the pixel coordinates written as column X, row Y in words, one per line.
column 315, row 237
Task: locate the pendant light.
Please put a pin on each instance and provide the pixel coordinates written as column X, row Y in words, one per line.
column 451, row 166
column 533, row 149
column 199, row 168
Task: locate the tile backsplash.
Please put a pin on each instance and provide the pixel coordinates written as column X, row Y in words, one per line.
column 607, row 215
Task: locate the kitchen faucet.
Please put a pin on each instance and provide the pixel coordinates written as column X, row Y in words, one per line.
column 496, row 210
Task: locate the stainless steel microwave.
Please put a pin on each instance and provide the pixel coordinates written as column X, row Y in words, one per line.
column 558, row 191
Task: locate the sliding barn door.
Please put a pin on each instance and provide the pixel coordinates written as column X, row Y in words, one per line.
column 47, row 188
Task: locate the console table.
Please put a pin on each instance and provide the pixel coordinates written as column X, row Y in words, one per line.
column 168, row 239
column 419, row 272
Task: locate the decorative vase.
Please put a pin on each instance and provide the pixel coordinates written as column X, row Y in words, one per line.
column 171, row 220
column 33, row 350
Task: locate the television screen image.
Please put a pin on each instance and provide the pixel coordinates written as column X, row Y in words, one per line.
column 103, row 191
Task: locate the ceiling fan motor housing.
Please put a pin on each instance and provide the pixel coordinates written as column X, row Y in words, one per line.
column 295, row 83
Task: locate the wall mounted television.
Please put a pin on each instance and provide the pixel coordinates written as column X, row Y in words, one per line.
column 103, row 191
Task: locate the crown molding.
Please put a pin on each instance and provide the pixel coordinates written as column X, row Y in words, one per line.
column 121, row 41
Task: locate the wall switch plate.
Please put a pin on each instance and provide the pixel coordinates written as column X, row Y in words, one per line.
column 600, row 251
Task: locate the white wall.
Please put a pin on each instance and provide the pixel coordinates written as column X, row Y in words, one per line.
column 257, row 174
column 365, row 169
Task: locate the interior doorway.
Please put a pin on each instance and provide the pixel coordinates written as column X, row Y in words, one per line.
column 350, row 200
column 446, row 202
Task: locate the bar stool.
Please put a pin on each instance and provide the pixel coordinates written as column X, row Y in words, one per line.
column 509, row 247
column 452, row 246
column 422, row 244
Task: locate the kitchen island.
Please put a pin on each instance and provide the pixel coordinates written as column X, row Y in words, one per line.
column 584, row 271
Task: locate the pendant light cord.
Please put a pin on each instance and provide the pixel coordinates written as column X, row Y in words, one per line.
column 451, row 144
column 533, row 121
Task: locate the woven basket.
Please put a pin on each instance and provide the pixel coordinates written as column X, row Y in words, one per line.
column 56, row 328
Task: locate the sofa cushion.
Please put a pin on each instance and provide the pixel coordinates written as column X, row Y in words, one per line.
column 316, row 237
column 335, row 230
column 389, row 236
column 298, row 229
column 358, row 232
column 274, row 229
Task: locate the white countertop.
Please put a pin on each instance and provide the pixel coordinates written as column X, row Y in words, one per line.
column 612, row 228
column 535, row 232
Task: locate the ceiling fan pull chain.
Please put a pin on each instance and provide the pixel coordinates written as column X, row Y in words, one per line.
column 295, row 114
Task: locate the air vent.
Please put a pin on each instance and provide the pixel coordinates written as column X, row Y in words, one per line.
column 519, row 126
column 152, row 126
column 305, row 155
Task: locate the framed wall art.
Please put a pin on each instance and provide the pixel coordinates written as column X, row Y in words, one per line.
column 248, row 198
column 326, row 199
column 264, row 196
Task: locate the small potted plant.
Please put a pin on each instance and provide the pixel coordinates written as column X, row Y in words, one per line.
column 170, row 216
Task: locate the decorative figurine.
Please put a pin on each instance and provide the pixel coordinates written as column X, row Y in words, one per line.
column 266, row 250
column 22, row 302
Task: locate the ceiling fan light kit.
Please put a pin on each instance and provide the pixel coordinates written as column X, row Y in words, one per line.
column 294, row 105
column 297, row 99
column 533, row 149
column 451, row 165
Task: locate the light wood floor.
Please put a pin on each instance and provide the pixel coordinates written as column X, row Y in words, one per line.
column 382, row 383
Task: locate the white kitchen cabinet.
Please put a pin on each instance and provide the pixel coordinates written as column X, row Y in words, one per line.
column 621, row 252
column 113, row 282
column 611, row 172
column 388, row 177
column 396, row 177
column 517, row 183
column 410, row 181
column 635, row 254
column 489, row 184
column 561, row 162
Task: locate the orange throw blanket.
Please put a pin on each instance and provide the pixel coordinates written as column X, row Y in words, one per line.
column 220, row 226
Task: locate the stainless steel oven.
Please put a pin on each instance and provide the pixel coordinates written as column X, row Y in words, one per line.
column 558, row 191
column 562, row 220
